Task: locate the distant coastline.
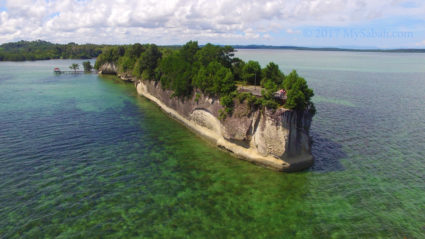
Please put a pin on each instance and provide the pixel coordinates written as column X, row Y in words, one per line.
column 44, row 50
column 407, row 50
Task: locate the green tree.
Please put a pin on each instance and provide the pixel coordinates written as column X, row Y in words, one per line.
column 215, row 79
column 148, row 61
column 176, row 74
column 273, row 73
column 251, row 73
column 126, row 63
column 210, row 53
column 296, row 100
column 74, row 67
column 87, row 66
column 299, row 95
column 135, row 50
column 237, row 66
column 189, row 50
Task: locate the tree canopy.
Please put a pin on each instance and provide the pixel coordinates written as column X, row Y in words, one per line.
column 211, row 69
column 251, row 73
column 87, row 66
column 74, row 67
column 43, row 50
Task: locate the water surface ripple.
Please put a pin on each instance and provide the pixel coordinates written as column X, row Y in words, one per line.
column 85, row 157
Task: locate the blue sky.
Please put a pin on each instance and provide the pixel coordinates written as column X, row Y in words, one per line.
column 312, row 23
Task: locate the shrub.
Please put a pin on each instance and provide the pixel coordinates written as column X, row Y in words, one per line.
column 197, row 96
column 299, row 95
column 272, row 74
column 251, row 73
column 87, row 66
column 271, row 104
column 227, row 102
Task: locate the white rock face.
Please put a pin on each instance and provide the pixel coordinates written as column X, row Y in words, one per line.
column 270, row 138
column 108, row 68
column 205, row 119
column 275, row 139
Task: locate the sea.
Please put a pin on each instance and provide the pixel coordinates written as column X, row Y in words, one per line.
column 83, row 156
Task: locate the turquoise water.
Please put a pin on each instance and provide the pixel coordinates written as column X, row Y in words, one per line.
column 85, row 157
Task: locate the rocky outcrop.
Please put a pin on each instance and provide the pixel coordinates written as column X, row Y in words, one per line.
column 108, row 68
column 277, row 139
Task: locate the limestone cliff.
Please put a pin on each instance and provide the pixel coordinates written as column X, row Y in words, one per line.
column 278, row 139
column 108, row 68
column 273, row 138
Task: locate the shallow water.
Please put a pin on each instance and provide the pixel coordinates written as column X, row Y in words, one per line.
column 84, row 156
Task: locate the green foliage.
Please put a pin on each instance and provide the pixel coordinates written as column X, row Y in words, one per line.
column 271, row 104
column 197, row 96
column 210, row 53
column 148, row 61
column 176, row 74
column 215, row 79
column 87, row 66
column 251, row 73
column 272, row 74
column 43, row 50
column 188, row 51
column 255, row 102
column 134, row 51
column 109, row 55
column 74, row 67
column 299, row 95
column 295, row 99
column 211, row 69
column 272, row 81
column 126, row 63
column 192, row 66
column 227, row 102
column 237, row 66
column 243, row 96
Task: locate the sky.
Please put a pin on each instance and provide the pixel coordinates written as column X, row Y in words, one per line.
column 311, row 23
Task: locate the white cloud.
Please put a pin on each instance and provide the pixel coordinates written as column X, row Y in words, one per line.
column 292, row 31
column 422, row 43
column 176, row 21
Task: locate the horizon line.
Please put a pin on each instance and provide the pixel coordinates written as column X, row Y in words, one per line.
column 259, row 46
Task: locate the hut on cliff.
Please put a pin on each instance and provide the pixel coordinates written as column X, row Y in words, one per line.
column 281, row 96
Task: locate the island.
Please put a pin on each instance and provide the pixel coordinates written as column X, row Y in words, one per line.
column 43, row 50
column 259, row 115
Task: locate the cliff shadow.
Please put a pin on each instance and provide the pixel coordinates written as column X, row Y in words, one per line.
column 327, row 154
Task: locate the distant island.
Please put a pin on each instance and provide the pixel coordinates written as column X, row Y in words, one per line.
column 405, row 50
column 44, row 50
column 258, row 114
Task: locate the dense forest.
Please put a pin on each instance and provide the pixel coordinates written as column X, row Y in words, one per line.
column 211, row 69
column 43, row 50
